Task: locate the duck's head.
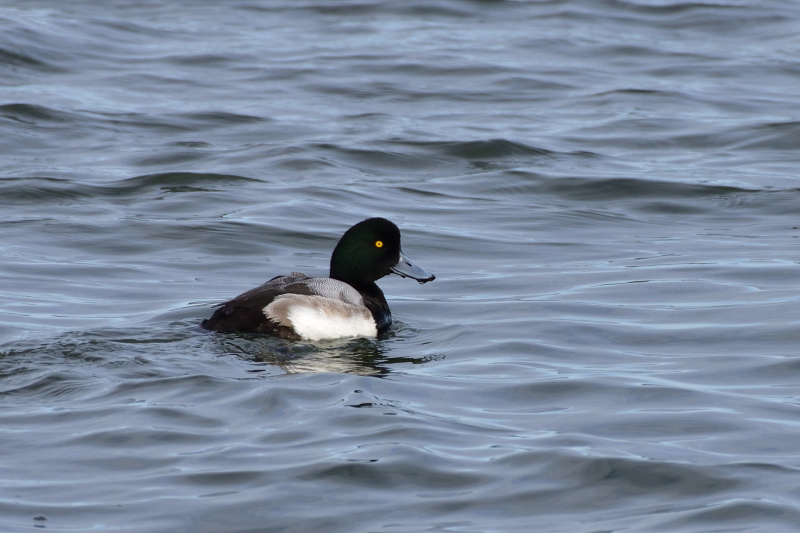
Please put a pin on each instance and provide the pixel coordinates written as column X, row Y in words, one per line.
column 369, row 251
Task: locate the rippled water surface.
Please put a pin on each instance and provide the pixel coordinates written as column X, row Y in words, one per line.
column 607, row 192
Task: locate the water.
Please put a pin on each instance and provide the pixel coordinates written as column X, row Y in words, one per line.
column 606, row 191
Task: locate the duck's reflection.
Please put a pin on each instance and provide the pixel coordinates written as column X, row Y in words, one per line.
column 366, row 357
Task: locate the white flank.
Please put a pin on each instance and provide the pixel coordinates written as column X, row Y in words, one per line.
column 316, row 318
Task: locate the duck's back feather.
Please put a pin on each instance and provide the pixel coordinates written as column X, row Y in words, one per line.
column 262, row 310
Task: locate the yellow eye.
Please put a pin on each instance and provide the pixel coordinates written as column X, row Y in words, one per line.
column 379, row 244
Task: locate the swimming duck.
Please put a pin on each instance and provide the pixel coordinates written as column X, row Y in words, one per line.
column 346, row 304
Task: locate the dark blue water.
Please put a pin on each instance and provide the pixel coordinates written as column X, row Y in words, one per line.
column 607, row 192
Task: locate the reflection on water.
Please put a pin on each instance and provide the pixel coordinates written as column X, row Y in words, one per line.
column 366, row 357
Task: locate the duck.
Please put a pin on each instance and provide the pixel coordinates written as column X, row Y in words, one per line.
column 348, row 303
